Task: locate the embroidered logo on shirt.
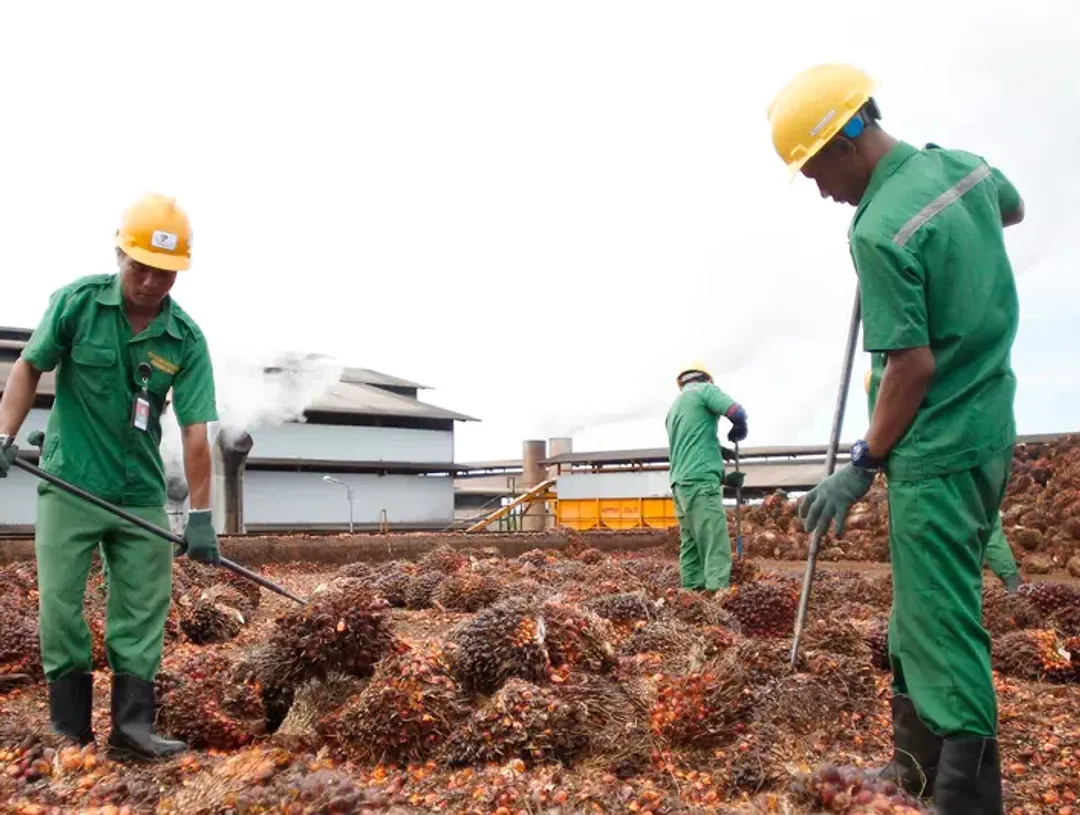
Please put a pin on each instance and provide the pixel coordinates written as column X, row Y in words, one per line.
column 162, row 364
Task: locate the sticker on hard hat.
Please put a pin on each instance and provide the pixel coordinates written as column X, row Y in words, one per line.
column 163, row 240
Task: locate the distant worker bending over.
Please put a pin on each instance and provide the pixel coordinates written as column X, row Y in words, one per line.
column 939, row 303
column 999, row 556
column 697, row 478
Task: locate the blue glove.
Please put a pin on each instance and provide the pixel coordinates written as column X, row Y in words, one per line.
column 200, row 539
column 738, row 424
column 833, row 497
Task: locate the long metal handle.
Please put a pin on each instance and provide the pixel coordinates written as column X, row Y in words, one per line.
column 738, row 509
column 830, row 466
column 172, row 537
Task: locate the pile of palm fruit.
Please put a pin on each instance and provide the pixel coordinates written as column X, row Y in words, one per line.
column 557, row 682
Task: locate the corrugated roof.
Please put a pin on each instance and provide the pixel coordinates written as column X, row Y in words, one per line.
column 358, row 393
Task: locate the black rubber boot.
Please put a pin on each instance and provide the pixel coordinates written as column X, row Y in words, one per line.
column 71, row 702
column 969, row 778
column 916, row 750
column 132, row 733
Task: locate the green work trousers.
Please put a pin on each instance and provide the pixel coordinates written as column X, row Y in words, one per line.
column 999, row 556
column 939, row 530
column 139, row 585
column 704, row 546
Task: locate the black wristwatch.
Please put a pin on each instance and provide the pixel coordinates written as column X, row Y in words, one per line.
column 861, row 458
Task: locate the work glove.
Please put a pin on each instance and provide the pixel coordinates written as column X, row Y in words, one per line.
column 833, row 497
column 734, row 479
column 738, row 425
column 200, row 539
column 8, row 451
column 36, row 439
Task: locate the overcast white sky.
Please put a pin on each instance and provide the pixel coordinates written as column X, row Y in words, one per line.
column 540, row 210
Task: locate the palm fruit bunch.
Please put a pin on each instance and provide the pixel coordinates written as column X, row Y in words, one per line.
column 819, row 697
column 404, row 712
column 761, row 660
column 529, row 588
column 392, row 581
column 834, row 589
column 521, row 720
column 124, row 789
column 504, row 640
column 1058, row 603
column 210, row 790
column 614, row 725
column 1036, row 655
column 205, row 621
column 314, row 701
column 466, row 591
column 589, row 555
column 570, row 571
column 700, row 709
column 1003, row 612
column 658, row 577
column 671, row 645
column 695, row 608
column 628, row 607
column 346, row 631
column 609, row 577
column 418, row 595
column 837, row 635
column 202, row 704
column 765, row 608
column 852, row 791
column 537, row 558
column 243, row 595
column 20, row 654
column 444, row 559
column 877, row 637
column 578, row 638
column 743, row 571
column 357, row 570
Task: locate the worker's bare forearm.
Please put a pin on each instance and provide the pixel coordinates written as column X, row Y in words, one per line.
column 903, row 388
column 18, row 396
column 197, row 466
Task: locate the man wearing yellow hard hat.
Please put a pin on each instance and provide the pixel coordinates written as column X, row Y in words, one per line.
column 999, row 556
column 697, row 477
column 119, row 344
column 939, row 303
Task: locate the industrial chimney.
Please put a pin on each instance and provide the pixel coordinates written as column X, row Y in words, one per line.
column 231, row 451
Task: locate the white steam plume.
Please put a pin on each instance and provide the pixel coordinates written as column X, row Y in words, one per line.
column 253, row 390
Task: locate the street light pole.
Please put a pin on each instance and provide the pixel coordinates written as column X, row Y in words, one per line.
column 348, row 491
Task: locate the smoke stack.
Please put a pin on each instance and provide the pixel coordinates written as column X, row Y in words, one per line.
column 533, row 473
column 230, row 453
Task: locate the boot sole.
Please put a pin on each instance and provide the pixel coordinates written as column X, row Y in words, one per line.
column 128, row 754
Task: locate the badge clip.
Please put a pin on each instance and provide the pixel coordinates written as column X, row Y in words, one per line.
column 140, row 408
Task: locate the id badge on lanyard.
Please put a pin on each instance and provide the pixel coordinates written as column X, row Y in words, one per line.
column 140, row 407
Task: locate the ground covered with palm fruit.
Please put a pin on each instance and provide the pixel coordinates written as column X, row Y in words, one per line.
column 554, row 682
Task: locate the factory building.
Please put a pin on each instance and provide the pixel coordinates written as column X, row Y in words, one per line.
column 368, row 454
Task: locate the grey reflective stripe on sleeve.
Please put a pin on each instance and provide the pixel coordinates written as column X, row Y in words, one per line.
column 981, row 173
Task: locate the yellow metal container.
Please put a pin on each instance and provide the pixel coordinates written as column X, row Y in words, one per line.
column 616, row 513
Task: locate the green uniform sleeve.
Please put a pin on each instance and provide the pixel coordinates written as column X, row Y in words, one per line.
column 892, row 287
column 1008, row 195
column 194, row 394
column 52, row 337
column 716, row 400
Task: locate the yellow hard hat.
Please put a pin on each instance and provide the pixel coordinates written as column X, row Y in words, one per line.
column 866, row 382
column 695, row 367
column 813, row 107
column 156, row 232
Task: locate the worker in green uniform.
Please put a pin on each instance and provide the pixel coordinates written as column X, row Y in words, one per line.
column 999, row 556
column 697, row 477
column 118, row 343
column 939, row 302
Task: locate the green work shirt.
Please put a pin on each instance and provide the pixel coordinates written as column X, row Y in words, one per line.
column 928, row 245
column 694, row 448
column 90, row 439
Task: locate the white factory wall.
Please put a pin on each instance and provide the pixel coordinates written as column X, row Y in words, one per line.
column 272, row 497
column 321, row 442
column 642, row 484
column 18, row 499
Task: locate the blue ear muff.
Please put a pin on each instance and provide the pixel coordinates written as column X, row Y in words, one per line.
column 854, row 127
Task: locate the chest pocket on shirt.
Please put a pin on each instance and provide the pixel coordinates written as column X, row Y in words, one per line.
column 95, row 367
